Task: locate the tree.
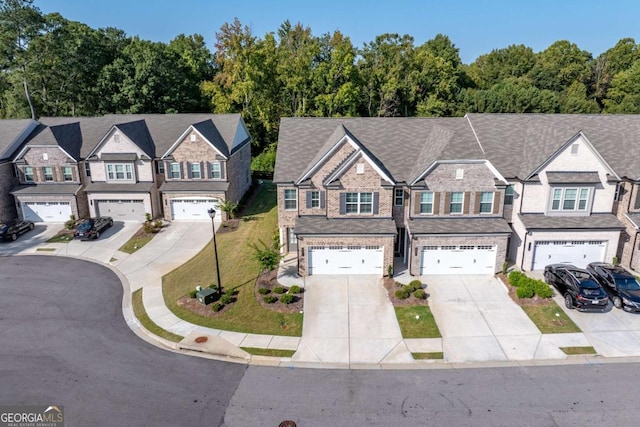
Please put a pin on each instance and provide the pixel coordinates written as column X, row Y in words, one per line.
column 559, row 65
column 491, row 68
column 229, row 208
column 619, row 58
column 576, row 101
column 624, row 94
column 197, row 63
column 267, row 256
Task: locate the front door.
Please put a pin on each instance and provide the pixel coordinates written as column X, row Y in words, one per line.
column 398, row 245
column 292, row 240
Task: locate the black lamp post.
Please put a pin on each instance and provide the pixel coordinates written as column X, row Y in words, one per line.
column 212, row 215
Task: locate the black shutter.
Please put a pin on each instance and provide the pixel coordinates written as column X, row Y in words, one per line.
column 167, row 169
column 322, row 200
column 188, row 175
column 222, row 171
column 309, row 199
column 343, row 203
column 376, row 202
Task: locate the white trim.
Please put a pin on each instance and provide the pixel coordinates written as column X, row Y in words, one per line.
column 183, row 135
column 356, row 156
column 328, row 154
column 19, row 139
column 27, row 147
column 466, row 116
column 436, row 163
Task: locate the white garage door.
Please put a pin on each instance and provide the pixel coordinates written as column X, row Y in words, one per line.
column 470, row 259
column 46, row 211
column 346, row 260
column 121, row 210
column 578, row 253
column 194, row 209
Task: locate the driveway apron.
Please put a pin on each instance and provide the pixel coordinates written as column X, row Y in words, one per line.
column 349, row 320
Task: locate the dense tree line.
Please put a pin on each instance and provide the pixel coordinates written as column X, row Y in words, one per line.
column 56, row 67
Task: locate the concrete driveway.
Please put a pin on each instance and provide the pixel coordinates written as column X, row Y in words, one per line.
column 479, row 321
column 349, row 319
column 30, row 240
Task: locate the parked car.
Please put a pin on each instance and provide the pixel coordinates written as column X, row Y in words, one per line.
column 622, row 286
column 578, row 287
column 12, row 230
column 92, row 227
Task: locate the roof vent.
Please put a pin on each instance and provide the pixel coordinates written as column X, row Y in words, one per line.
column 575, row 148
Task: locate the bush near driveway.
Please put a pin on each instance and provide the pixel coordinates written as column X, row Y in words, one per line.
column 528, row 287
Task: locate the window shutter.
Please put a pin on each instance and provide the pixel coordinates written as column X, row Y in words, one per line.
column 322, row 200
column 167, row 169
column 467, row 197
column 376, row 202
column 496, row 202
column 222, row 171
column 309, row 199
column 181, row 171
column 636, row 205
column 476, row 206
column 208, row 170
column 343, row 203
column 188, row 170
column 436, row 203
column 202, row 170
column 447, row 203
column 416, row 203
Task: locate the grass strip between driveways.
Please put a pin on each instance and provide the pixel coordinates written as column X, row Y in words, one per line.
column 62, row 237
column 238, row 270
column 550, row 319
column 136, row 242
column 422, row 326
column 578, row 350
column 143, row 317
column 268, row 352
column 434, row 355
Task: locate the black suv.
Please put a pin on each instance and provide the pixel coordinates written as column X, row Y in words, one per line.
column 92, row 227
column 12, row 230
column 622, row 286
column 579, row 288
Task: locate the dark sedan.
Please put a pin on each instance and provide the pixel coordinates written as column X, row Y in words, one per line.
column 92, row 227
column 13, row 230
column 622, row 286
column 578, row 287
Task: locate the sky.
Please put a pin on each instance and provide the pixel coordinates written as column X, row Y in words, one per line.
column 476, row 27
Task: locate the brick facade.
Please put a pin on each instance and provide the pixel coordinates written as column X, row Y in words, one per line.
column 7, row 182
column 629, row 247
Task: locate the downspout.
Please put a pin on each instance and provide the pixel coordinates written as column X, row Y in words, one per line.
column 633, row 249
column 524, row 248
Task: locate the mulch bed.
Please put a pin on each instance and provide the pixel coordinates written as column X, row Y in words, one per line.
column 194, row 306
column 228, row 226
column 269, row 280
column 536, row 300
column 392, row 286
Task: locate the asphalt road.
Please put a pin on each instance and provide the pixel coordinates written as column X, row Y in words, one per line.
column 63, row 341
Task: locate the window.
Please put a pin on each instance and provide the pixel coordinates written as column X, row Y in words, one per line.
column 45, row 156
column 575, row 148
column 508, row 195
column 28, row 174
column 192, row 138
column 315, row 199
column 486, row 202
column 360, row 168
column 459, row 173
column 359, row 203
column 426, row 203
column 398, row 199
column 290, row 199
column 119, row 172
column 87, row 169
column 160, row 168
column 455, row 205
column 67, row 173
column 619, row 191
column 216, row 171
column 175, row 171
column 195, row 171
column 570, row 199
column 48, row 173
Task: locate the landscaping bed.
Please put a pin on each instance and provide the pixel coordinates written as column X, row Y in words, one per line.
column 392, row 287
column 268, row 280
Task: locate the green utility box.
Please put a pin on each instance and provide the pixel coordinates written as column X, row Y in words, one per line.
column 206, row 296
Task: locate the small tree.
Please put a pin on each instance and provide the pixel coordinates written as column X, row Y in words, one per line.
column 229, row 208
column 267, row 256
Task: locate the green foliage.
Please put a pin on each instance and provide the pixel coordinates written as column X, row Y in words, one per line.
column 279, row 290
column 226, row 299
column 390, row 270
column 419, row 294
column 402, row 293
column 263, row 291
column 270, row 299
column 229, row 208
column 217, row 306
column 286, row 299
column 542, row 289
column 267, row 256
column 415, row 285
column 525, row 290
column 71, row 223
column 528, row 287
column 192, row 294
column 515, row 278
column 505, row 266
column 148, row 217
column 295, row 289
column 265, row 161
column 615, row 260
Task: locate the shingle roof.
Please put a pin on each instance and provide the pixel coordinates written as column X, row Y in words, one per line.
column 10, row 129
column 105, row 187
column 634, row 218
column 573, row 177
column 209, row 131
column 486, row 225
column 394, row 142
column 593, row 221
column 138, row 132
column 46, row 189
column 318, row 225
column 193, row 186
column 119, row 157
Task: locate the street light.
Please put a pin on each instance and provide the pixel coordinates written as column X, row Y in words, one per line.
column 212, row 215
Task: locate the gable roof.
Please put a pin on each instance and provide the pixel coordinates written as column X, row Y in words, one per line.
column 13, row 132
column 207, row 129
column 67, row 136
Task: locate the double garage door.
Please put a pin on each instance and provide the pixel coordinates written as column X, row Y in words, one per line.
column 458, row 259
column 121, row 210
column 46, row 211
column 346, row 260
column 578, row 253
column 194, row 209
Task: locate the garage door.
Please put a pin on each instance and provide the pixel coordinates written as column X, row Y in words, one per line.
column 470, row 259
column 193, row 209
column 121, row 210
column 46, row 211
column 578, row 253
column 346, row 260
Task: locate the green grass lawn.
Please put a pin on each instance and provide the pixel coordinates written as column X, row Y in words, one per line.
column 61, row 237
column 578, row 350
column 422, row 327
column 428, row 356
column 550, row 319
column 237, row 271
column 141, row 314
column 136, row 242
column 268, row 352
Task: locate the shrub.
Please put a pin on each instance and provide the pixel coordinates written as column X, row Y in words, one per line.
column 71, row 223
column 263, row 291
column 148, row 217
column 295, row 289
column 286, row 299
column 525, row 290
column 279, row 290
column 408, row 289
column 148, row 227
column 193, row 293
column 217, row 307
column 230, row 292
column 402, row 293
column 270, row 299
column 157, row 224
column 516, row 278
column 542, row 289
column 505, row 266
column 419, row 294
column 390, row 270
column 226, row 299
column 415, row 285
